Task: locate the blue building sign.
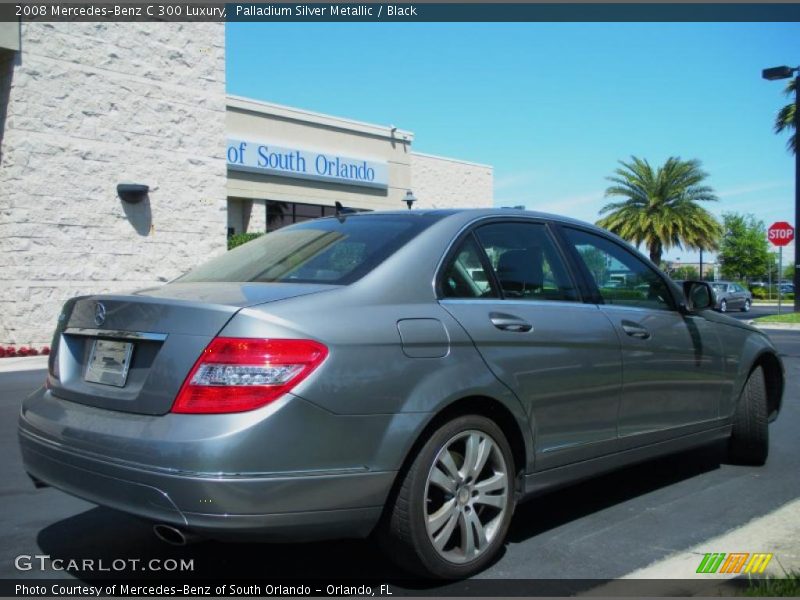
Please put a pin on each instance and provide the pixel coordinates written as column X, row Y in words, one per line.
column 259, row 157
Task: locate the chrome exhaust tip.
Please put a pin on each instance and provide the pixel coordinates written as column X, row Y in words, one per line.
column 172, row 535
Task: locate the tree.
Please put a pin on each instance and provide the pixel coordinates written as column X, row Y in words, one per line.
column 685, row 272
column 660, row 207
column 771, row 269
column 595, row 261
column 788, row 272
column 784, row 120
column 744, row 251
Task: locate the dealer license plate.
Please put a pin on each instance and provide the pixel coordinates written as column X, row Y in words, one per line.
column 109, row 362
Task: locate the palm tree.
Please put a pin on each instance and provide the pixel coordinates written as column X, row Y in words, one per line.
column 660, row 207
column 784, row 120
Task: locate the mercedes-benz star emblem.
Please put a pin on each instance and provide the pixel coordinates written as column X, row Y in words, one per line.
column 99, row 314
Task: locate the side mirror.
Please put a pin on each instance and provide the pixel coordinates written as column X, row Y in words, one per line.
column 699, row 295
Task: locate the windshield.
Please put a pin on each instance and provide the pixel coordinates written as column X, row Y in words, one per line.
column 319, row 251
column 719, row 287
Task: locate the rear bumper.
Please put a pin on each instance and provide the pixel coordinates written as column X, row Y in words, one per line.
column 280, row 506
column 292, row 504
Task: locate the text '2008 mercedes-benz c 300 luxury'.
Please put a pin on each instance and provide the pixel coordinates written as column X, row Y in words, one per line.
column 414, row 374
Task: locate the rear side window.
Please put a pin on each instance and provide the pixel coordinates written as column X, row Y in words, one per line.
column 526, row 262
column 320, row 251
column 465, row 275
column 520, row 257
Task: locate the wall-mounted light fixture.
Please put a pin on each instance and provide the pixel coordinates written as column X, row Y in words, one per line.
column 409, row 198
column 132, row 192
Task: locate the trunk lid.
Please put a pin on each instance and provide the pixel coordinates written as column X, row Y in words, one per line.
column 131, row 353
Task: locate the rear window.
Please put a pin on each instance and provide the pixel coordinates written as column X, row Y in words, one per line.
column 320, row 251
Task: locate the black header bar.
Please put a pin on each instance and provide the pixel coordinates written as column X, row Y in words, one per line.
column 402, row 12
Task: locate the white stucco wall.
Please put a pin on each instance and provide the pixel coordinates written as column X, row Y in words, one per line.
column 91, row 105
column 440, row 182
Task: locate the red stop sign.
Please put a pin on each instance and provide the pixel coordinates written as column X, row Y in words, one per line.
column 780, row 233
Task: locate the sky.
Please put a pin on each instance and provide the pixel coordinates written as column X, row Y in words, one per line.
column 552, row 107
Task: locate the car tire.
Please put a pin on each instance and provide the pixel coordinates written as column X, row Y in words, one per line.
column 746, row 307
column 424, row 526
column 749, row 441
column 723, row 306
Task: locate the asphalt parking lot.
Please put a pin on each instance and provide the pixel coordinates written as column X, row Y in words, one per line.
column 604, row 528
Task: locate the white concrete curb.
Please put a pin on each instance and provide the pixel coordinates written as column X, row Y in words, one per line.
column 777, row 532
column 784, row 326
column 22, row 363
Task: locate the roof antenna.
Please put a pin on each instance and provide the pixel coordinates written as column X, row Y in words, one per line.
column 341, row 211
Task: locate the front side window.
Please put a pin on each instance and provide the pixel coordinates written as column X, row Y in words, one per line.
column 525, row 261
column 621, row 277
column 319, row 251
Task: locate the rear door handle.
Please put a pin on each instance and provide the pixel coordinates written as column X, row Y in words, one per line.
column 635, row 330
column 509, row 323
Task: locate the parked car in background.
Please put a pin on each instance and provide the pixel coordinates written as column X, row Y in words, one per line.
column 412, row 373
column 786, row 288
column 731, row 296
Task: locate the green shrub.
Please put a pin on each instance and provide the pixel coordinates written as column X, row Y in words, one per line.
column 759, row 293
column 612, row 294
column 787, row 586
column 241, row 238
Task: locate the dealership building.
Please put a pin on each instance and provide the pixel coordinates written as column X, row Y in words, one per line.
column 87, row 107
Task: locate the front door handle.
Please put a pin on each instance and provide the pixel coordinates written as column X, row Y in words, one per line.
column 509, row 323
column 635, row 330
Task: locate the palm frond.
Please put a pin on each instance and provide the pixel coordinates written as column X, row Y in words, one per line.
column 784, row 120
column 660, row 208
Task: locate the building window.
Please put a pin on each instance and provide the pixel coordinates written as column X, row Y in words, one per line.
column 281, row 214
column 243, row 214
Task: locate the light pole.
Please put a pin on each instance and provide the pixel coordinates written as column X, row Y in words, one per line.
column 772, row 74
column 701, row 264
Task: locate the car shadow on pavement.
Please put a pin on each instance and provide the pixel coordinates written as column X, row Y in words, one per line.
column 107, row 536
column 111, row 535
column 552, row 510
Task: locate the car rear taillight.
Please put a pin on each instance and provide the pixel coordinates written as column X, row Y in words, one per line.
column 240, row 374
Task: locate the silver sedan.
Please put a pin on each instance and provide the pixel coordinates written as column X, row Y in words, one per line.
column 416, row 374
column 731, row 295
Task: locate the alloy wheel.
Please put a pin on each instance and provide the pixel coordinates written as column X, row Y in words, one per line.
column 466, row 496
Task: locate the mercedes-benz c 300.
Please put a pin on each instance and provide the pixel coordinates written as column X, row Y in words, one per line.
column 415, row 374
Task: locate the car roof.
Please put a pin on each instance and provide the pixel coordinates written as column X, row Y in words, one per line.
column 463, row 217
column 470, row 214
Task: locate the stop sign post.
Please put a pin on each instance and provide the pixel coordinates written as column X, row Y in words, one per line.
column 780, row 234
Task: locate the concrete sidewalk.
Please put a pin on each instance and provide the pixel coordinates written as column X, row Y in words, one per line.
column 777, row 533
column 23, row 363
